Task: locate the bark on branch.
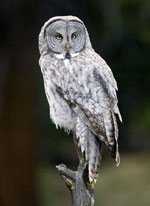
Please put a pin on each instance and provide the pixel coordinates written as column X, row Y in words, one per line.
column 77, row 182
column 82, row 191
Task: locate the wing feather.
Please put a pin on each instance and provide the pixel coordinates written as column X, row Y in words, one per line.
column 92, row 96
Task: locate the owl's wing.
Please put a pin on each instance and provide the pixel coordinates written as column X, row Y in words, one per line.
column 103, row 74
column 96, row 103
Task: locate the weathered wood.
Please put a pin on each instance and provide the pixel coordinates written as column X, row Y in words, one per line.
column 82, row 191
column 77, row 182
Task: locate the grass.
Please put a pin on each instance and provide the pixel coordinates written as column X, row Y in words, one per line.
column 127, row 185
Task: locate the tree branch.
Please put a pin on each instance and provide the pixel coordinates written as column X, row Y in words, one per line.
column 82, row 191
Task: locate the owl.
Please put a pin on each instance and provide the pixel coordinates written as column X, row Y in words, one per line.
column 80, row 89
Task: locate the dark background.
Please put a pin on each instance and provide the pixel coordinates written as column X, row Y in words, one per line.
column 30, row 146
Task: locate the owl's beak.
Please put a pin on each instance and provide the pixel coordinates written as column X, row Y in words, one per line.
column 67, row 47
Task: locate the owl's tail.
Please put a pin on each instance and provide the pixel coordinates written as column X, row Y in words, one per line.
column 89, row 148
column 94, row 157
column 114, row 147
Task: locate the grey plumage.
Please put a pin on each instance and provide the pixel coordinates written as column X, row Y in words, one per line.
column 80, row 89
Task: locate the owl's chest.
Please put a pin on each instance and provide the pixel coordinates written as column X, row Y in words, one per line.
column 60, row 112
column 66, row 75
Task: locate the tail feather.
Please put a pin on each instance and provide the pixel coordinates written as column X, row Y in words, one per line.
column 95, row 148
column 117, row 156
column 90, row 149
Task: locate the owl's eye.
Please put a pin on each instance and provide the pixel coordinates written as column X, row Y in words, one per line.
column 58, row 37
column 73, row 36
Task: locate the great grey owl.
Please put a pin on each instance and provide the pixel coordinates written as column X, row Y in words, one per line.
column 80, row 89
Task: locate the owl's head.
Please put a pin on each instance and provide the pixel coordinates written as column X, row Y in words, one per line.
column 64, row 37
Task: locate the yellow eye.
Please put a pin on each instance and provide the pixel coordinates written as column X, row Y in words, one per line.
column 74, row 36
column 59, row 37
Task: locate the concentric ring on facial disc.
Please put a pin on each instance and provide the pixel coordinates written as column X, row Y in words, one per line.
column 51, row 31
column 79, row 41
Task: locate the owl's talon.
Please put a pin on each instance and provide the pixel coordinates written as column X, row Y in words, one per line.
column 72, row 187
column 82, row 160
column 92, row 185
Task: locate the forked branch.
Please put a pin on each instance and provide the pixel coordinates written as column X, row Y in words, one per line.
column 82, row 191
